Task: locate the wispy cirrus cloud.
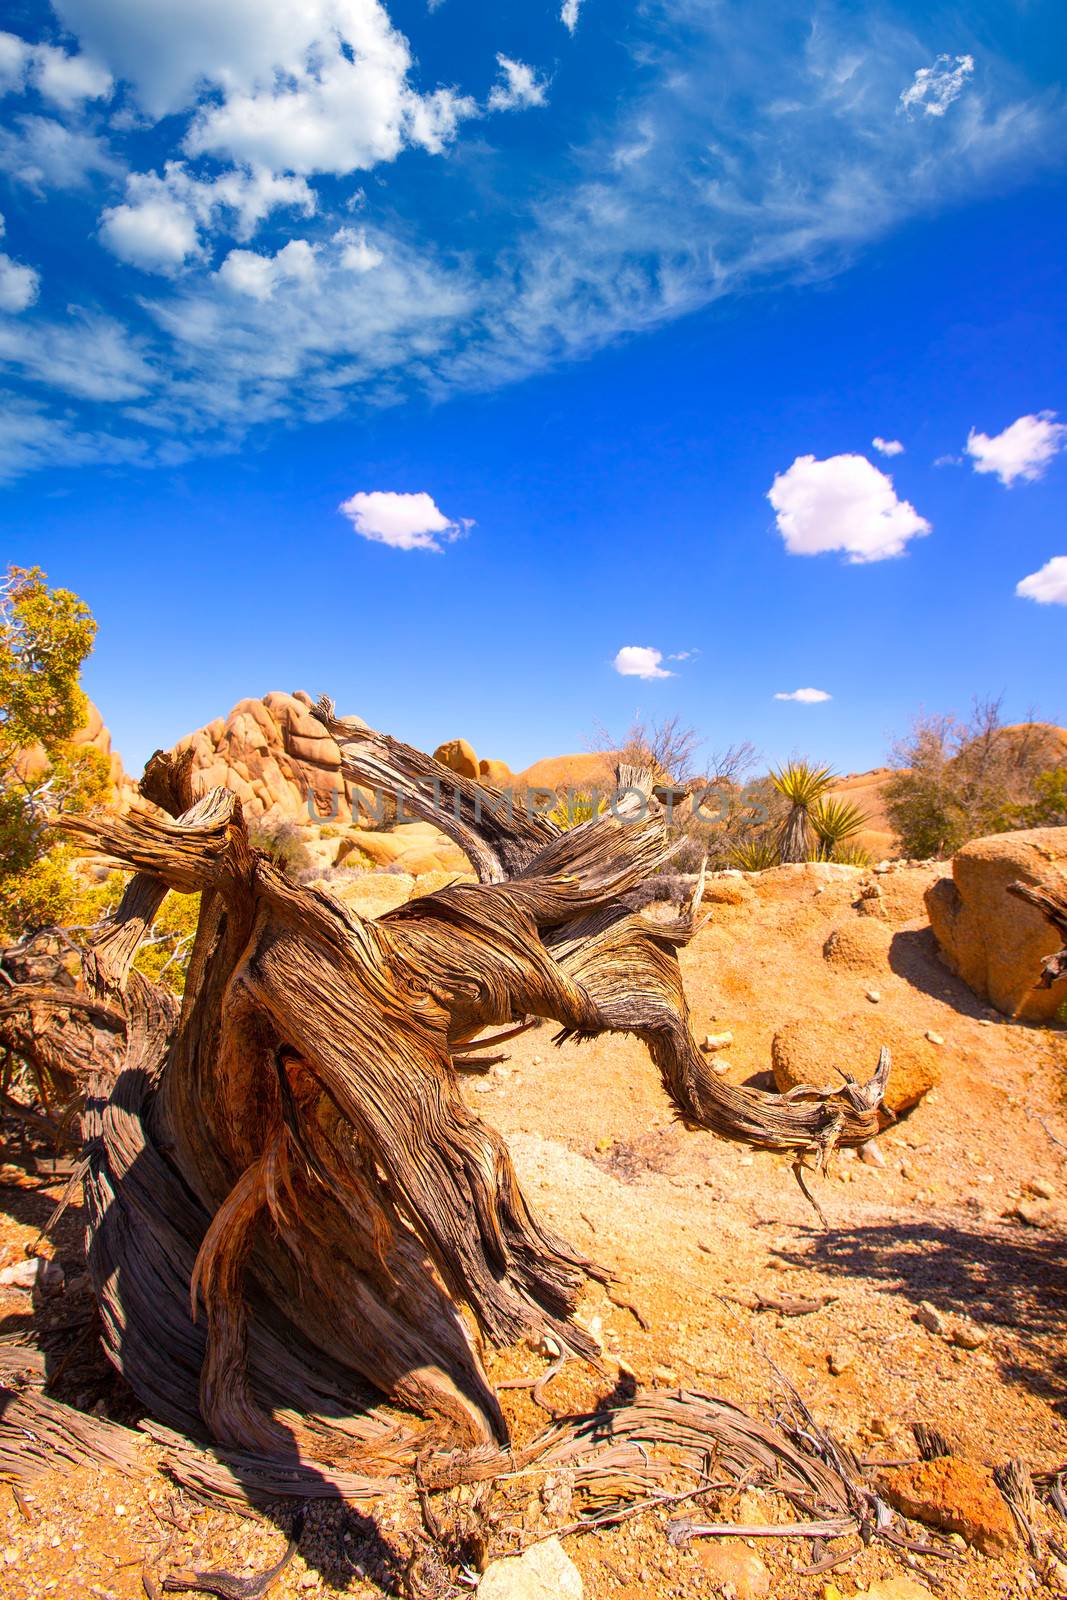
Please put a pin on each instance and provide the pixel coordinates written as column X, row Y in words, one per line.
column 667, row 203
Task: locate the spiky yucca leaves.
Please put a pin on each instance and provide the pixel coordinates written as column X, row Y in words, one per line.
column 835, row 821
column 573, row 809
column 851, row 855
column 803, row 785
column 756, row 855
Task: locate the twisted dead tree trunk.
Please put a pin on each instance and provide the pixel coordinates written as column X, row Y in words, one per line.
column 1054, row 909
column 292, row 1212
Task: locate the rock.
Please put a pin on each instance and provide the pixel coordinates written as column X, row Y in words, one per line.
column 859, row 946
column 934, row 1038
column 727, row 1562
column 966, row 1336
column 720, row 893
column 666, row 1375
column 874, row 996
column 278, row 759
column 1042, row 1188
column 993, row 941
column 929, row 1317
column 1035, row 1213
column 718, row 1041
column 372, row 894
column 809, row 1050
column 894, row 1589
column 839, row 1360
column 458, row 756
column 871, row 1154
column 720, row 1066
column 497, row 774
column 543, row 1572
column 952, row 1494
column 38, row 1272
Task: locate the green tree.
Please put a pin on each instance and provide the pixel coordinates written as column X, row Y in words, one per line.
column 45, row 636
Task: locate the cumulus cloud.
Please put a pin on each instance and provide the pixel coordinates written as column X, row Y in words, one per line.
column 640, row 661
column 935, row 88
column 843, row 503
column 158, row 226
column 569, row 15
column 19, row 285
column 519, row 87
column 246, row 272
column 1023, row 450
column 404, row 521
column 1048, row 585
column 64, row 79
column 806, row 697
column 887, row 447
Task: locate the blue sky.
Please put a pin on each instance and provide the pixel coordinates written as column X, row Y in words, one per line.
column 503, row 372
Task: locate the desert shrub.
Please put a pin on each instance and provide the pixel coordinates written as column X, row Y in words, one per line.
column 959, row 780
column 283, row 842
column 1046, row 809
column 572, row 809
column 755, row 855
column 803, row 786
column 45, row 636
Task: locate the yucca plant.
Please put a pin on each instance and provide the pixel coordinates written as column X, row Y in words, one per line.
column 851, row 855
column 573, row 809
column 803, row 785
column 755, row 855
column 835, row 821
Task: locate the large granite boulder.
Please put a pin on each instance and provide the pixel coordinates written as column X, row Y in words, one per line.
column 994, row 941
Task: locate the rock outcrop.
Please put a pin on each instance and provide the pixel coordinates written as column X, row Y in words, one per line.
column 278, row 760
column 458, row 756
column 995, row 942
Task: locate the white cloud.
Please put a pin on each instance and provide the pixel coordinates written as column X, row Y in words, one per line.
column 1048, row 586
column 520, row 87
column 569, row 15
column 259, row 275
column 157, row 235
column 1023, row 450
column 806, row 697
column 948, row 461
column 844, row 503
column 887, row 447
column 357, row 255
column 43, row 154
column 935, row 88
column 86, row 355
column 158, row 227
column 640, row 661
column 64, row 79
column 404, row 521
column 19, row 285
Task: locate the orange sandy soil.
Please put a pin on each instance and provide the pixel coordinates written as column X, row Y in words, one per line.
column 696, row 1229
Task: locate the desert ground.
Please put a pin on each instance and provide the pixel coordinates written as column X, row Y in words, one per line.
column 935, row 1293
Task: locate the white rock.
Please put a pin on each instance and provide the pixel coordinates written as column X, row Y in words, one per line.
column 871, row 1154
column 718, row 1041
column 36, row 1273
column 873, row 995
column 1042, row 1188
column 934, row 1038
column 543, row 1572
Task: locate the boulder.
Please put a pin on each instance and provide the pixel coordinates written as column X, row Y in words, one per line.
column 810, row 1050
column 458, row 756
column 993, row 941
column 370, row 894
column 277, row 759
column 543, row 1572
column 727, row 1562
column 954, row 1495
column 861, row 945
column 496, row 773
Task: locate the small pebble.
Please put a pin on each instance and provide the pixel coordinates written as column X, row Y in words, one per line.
column 929, row 1317
column 717, row 1041
column 1042, row 1188
column 934, row 1038
column 871, row 1154
column 873, row 995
